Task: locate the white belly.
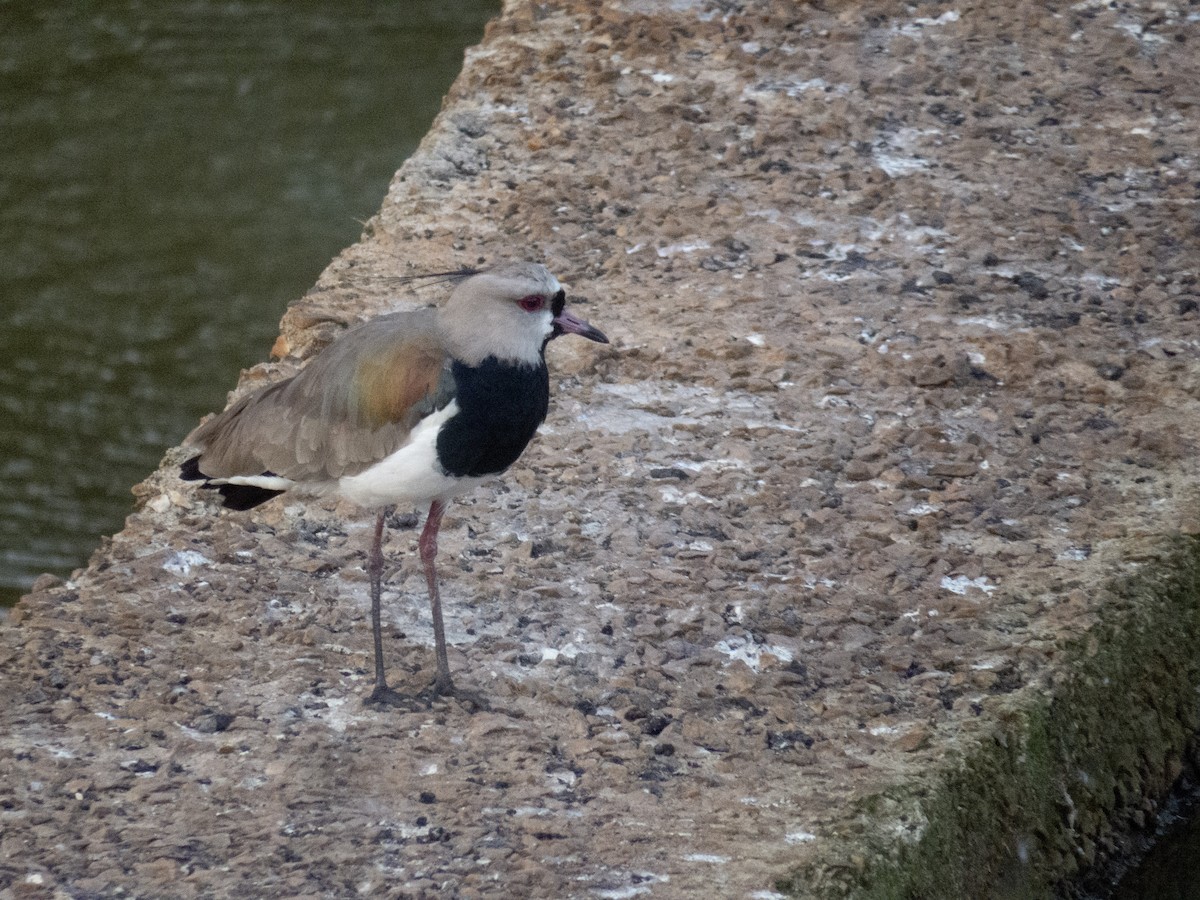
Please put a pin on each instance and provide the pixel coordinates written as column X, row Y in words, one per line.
column 411, row 475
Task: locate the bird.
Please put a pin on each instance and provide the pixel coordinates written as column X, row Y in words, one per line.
column 412, row 407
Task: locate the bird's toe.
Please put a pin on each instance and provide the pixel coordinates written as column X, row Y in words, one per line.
column 383, row 697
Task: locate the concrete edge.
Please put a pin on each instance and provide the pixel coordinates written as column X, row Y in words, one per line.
column 1057, row 784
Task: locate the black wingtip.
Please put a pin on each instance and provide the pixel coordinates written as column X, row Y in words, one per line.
column 190, row 470
column 243, row 496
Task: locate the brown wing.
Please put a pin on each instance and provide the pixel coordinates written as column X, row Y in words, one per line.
column 355, row 403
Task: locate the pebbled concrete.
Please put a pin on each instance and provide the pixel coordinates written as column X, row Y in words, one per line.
column 856, row 566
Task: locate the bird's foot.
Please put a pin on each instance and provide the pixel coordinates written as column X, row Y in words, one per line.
column 474, row 701
column 444, row 688
column 384, row 697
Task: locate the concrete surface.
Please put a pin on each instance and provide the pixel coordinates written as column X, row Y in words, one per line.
column 856, row 566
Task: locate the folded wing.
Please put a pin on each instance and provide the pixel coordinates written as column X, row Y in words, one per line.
column 352, row 405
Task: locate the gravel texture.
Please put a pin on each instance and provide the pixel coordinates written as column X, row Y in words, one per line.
column 903, row 301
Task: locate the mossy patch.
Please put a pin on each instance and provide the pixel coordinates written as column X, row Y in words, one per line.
column 1061, row 777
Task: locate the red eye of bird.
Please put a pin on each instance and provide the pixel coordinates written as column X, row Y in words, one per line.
column 532, row 303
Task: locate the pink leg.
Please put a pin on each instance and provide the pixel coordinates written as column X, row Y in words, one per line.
column 442, row 685
column 375, row 570
column 428, row 546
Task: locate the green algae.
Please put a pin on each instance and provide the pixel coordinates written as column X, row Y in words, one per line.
column 1028, row 807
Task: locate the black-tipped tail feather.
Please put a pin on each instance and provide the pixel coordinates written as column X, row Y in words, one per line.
column 233, row 496
column 243, row 496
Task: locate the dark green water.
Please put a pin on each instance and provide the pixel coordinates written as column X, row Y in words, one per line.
column 1169, row 870
column 171, row 175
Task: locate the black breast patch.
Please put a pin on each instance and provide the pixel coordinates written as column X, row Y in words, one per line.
column 500, row 406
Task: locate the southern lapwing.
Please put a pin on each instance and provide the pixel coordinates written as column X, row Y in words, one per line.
column 411, row 407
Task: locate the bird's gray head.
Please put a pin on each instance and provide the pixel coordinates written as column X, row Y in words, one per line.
column 510, row 312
